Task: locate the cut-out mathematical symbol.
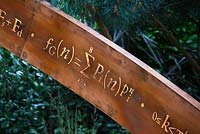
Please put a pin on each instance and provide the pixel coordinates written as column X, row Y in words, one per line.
column 3, row 24
column 72, row 57
column 142, row 105
column 8, row 22
column 91, row 50
column 77, row 61
column 82, row 82
column 32, row 35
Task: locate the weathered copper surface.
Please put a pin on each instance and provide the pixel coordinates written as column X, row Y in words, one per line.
column 95, row 68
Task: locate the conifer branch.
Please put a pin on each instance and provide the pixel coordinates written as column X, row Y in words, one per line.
column 175, row 42
column 100, row 23
column 116, row 7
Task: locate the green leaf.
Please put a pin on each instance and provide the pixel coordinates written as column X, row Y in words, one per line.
column 5, row 125
column 32, row 131
column 57, row 131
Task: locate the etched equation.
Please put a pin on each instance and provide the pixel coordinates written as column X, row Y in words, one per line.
column 89, row 68
column 14, row 23
column 166, row 124
column 100, row 73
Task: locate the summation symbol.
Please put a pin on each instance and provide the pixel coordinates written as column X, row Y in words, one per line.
column 89, row 60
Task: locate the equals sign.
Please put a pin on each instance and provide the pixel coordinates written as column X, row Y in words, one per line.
column 77, row 61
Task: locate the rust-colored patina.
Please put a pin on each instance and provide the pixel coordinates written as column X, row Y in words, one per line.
column 95, row 68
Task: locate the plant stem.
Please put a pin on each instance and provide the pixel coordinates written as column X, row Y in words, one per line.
column 100, row 23
column 175, row 42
